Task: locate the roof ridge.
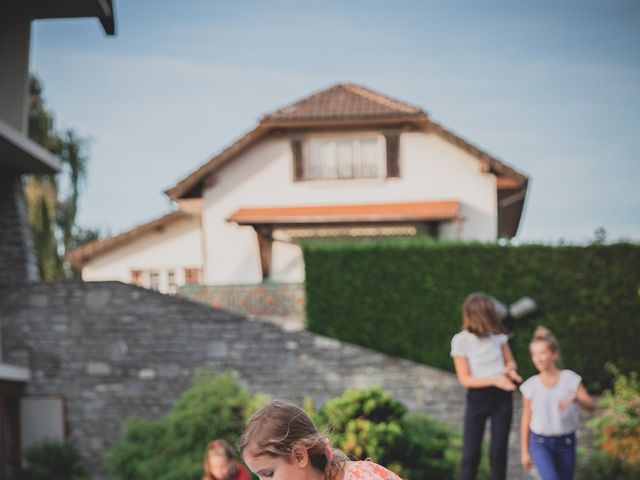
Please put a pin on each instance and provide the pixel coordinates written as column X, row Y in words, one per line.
column 291, row 104
column 380, row 98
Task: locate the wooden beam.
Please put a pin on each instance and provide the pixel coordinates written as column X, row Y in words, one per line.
column 265, row 241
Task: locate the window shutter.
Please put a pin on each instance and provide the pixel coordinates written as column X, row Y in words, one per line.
column 393, row 154
column 296, row 150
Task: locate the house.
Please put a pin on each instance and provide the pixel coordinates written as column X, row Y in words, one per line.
column 343, row 162
column 24, row 420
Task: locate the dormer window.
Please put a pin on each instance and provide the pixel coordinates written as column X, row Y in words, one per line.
column 344, row 158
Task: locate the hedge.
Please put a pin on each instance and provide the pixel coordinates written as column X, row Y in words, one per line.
column 403, row 297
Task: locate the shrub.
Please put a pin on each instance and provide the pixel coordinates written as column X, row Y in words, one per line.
column 171, row 448
column 616, row 431
column 403, row 297
column 370, row 424
column 53, row 460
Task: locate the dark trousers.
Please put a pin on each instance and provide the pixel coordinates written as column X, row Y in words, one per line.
column 482, row 404
column 554, row 457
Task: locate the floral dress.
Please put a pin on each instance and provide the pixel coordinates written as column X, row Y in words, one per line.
column 367, row 471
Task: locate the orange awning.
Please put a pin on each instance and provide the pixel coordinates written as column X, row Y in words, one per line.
column 375, row 213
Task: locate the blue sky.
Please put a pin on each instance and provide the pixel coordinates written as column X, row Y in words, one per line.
column 550, row 87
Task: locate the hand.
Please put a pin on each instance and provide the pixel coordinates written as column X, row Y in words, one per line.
column 565, row 403
column 503, row 383
column 525, row 459
column 512, row 374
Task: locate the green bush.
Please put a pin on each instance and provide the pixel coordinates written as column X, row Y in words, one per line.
column 616, row 431
column 370, row 424
column 404, row 296
column 50, row 459
column 172, row 447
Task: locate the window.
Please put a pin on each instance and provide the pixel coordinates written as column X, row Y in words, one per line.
column 191, row 276
column 137, row 278
column 154, row 280
column 171, row 281
column 344, row 158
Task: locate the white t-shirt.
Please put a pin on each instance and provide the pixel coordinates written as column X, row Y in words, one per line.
column 546, row 417
column 484, row 354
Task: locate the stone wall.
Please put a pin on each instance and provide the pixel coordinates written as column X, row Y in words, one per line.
column 17, row 257
column 114, row 350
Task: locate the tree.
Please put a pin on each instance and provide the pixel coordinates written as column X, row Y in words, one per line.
column 52, row 200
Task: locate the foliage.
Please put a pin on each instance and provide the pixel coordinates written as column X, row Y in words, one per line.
column 616, row 430
column 370, row 424
column 52, row 200
column 171, row 448
column 51, row 459
column 403, row 297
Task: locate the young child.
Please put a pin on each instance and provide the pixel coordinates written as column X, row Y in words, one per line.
column 220, row 463
column 281, row 442
column 485, row 366
column 549, row 411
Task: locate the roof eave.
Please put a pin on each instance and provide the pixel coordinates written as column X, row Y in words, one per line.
column 510, row 209
column 101, row 9
column 340, row 121
column 19, row 153
column 80, row 256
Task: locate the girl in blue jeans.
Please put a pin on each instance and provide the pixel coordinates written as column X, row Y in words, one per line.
column 550, row 411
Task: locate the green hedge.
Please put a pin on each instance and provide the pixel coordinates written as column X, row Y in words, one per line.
column 403, row 297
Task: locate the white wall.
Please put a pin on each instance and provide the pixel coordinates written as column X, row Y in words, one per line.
column 431, row 169
column 176, row 247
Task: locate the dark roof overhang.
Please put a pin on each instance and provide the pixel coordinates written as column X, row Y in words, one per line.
column 101, row 9
column 22, row 155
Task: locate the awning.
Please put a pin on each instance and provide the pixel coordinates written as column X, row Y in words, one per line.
column 431, row 211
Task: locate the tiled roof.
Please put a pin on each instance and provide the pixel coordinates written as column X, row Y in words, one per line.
column 344, row 100
column 383, row 212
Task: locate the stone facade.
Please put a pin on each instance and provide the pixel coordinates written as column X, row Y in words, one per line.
column 279, row 303
column 113, row 350
column 17, row 257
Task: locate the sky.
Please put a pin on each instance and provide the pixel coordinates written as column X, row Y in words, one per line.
column 550, row 87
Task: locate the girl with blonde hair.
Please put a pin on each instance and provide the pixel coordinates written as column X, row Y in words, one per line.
column 550, row 411
column 281, row 442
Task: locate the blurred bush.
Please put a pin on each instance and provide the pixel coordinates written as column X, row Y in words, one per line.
column 404, row 296
column 370, row 424
column 616, row 431
column 172, row 447
column 51, row 459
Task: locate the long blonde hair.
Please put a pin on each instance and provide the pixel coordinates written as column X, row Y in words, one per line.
column 479, row 315
column 279, row 427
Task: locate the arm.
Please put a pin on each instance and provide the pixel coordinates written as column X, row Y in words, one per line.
column 584, row 399
column 525, row 458
column 510, row 369
column 469, row 381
